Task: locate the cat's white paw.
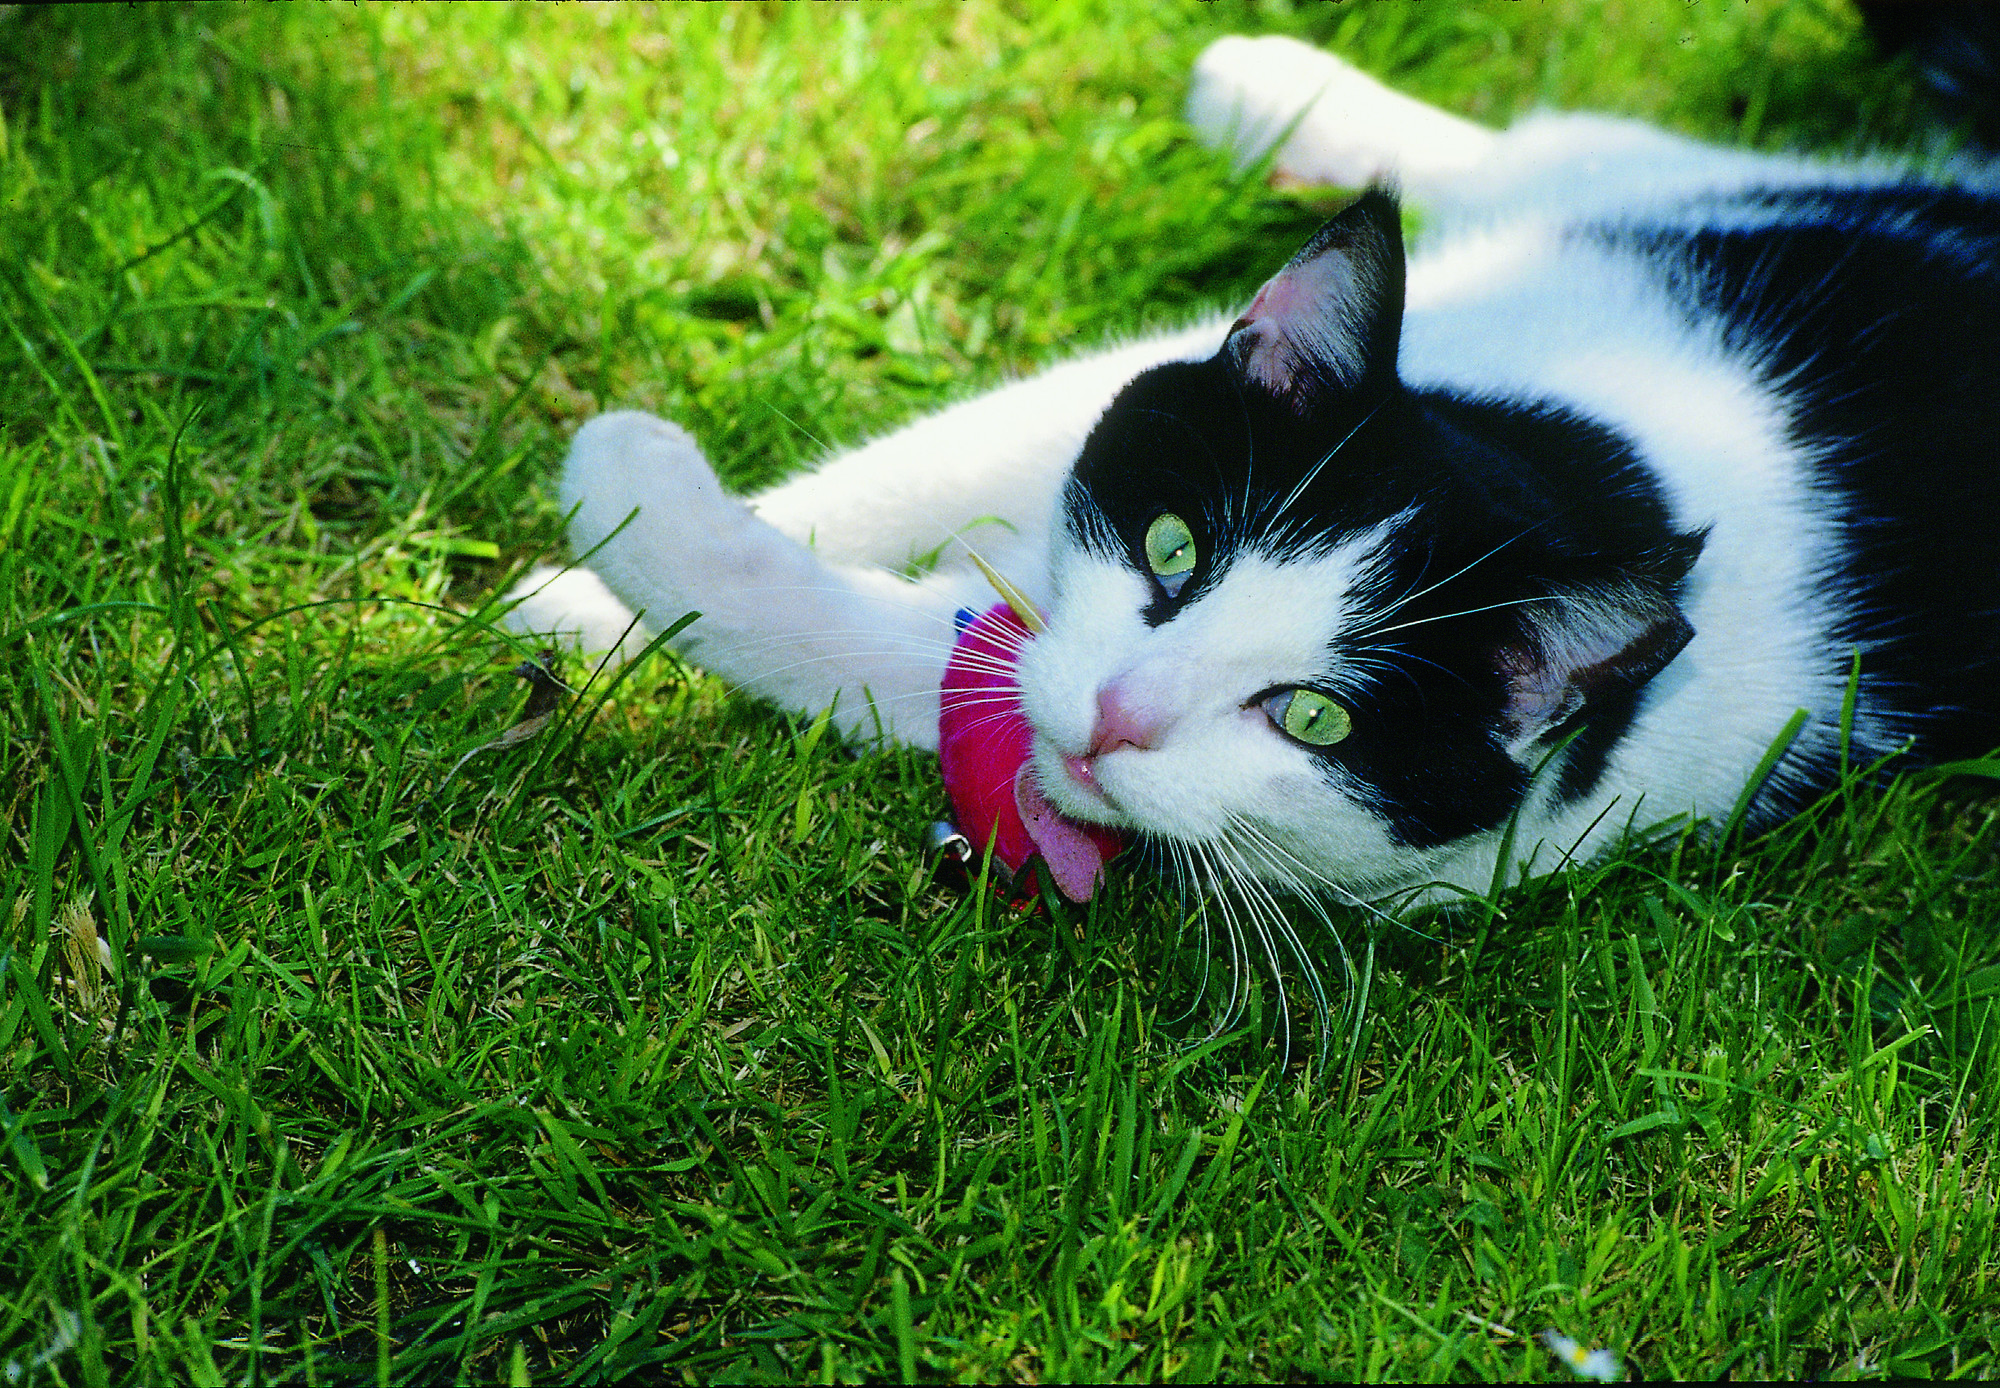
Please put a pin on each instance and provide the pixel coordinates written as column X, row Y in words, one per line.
column 1338, row 125
column 619, row 464
column 648, row 514
column 650, row 518
column 629, row 461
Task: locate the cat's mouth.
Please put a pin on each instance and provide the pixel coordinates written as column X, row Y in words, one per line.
column 1081, row 770
column 1076, row 789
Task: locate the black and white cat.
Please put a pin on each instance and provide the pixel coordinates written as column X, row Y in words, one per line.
column 1642, row 445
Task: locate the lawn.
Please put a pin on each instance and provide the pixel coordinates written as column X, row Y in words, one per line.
column 338, row 1043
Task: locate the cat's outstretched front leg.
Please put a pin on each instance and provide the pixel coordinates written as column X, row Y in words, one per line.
column 662, row 538
column 1338, row 125
column 802, row 588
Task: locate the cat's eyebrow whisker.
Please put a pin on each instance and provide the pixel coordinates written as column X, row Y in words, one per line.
column 1378, row 657
column 1313, row 471
column 1249, row 448
column 1186, row 427
column 1393, row 608
column 1368, row 659
column 1228, row 520
column 1249, row 451
column 1373, row 632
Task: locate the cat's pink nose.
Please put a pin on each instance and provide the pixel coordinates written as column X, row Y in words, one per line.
column 1122, row 722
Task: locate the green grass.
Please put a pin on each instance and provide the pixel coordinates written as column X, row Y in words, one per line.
column 650, row 1046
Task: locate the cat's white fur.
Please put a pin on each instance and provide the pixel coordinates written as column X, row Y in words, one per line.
column 803, row 603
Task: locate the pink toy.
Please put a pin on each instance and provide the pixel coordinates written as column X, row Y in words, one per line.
column 983, row 744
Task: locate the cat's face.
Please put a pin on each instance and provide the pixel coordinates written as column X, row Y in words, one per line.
column 1312, row 629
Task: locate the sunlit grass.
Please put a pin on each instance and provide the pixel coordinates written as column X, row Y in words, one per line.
column 650, row 1045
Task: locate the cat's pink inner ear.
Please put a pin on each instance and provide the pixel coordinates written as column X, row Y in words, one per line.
column 1333, row 315
column 1304, row 324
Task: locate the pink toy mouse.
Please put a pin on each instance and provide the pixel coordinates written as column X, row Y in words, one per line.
column 983, row 746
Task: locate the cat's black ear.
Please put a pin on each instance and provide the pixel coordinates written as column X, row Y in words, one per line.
column 1598, row 639
column 1332, row 318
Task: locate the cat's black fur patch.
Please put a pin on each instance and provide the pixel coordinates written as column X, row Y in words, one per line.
column 1875, row 311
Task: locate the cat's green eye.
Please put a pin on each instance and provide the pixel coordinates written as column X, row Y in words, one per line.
column 1170, row 551
column 1309, row 716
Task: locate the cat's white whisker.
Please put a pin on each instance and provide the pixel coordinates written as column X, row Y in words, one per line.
column 917, row 656
column 1265, row 917
column 1203, row 874
column 1220, row 871
column 1275, row 912
column 859, row 689
column 1311, row 880
column 849, row 593
column 1274, row 512
column 992, row 719
column 1192, row 910
column 880, row 644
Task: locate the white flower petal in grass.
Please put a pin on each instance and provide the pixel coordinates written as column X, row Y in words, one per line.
column 1600, row 1365
column 68, row 1330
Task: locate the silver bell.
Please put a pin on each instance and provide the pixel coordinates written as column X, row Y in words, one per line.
column 943, row 838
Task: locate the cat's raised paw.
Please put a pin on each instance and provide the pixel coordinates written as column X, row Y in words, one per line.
column 630, row 461
column 1337, row 125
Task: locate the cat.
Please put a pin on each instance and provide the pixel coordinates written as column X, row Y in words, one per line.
column 1414, row 574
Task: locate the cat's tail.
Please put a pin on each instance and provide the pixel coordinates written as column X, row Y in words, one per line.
column 574, row 608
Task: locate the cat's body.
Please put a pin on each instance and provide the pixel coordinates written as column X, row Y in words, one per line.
column 1651, row 440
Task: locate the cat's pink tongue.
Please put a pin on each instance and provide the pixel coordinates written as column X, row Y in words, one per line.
column 1073, row 852
column 983, row 747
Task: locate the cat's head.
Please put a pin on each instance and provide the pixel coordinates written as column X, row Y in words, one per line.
column 1311, row 626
